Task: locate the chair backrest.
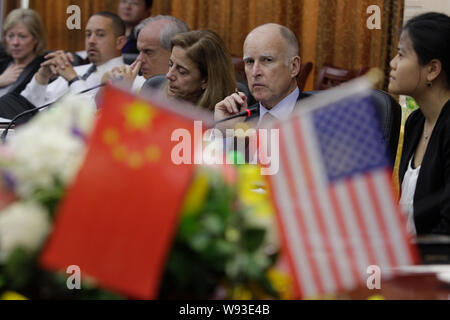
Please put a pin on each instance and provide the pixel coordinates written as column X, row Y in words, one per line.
column 390, row 115
column 331, row 76
column 78, row 60
column 239, row 69
column 13, row 104
column 305, row 70
column 155, row 82
column 129, row 58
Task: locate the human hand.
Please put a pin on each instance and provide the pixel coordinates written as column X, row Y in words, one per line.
column 125, row 74
column 229, row 106
column 10, row 75
column 54, row 66
column 62, row 61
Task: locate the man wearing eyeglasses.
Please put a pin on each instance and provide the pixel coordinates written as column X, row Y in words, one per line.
column 132, row 12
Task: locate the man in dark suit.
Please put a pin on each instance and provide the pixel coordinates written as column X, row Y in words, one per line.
column 272, row 63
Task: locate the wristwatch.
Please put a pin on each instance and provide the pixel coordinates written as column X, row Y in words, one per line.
column 73, row 80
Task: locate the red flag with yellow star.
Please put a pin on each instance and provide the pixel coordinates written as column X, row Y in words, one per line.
column 118, row 218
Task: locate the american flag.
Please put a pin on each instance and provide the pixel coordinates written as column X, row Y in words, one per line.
column 334, row 197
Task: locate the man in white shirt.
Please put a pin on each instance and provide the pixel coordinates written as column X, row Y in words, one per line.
column 105, row 37
column 272, row 63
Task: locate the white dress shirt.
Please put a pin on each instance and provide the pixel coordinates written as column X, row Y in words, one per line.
column 138, row 83
column 283, row 109
column 40, row 95
column 407, row 199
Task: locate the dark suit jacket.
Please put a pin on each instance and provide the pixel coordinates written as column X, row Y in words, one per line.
column 131, row 44
column 3, row 53
column 432, row 195
column 26, row 75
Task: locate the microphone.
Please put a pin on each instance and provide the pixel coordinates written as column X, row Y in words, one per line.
column 247, row 112
column 26, row 112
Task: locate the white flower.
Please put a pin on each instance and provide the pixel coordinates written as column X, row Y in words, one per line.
column 50, row 148
column 23, row 225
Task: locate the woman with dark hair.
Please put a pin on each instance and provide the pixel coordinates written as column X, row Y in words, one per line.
column 421, row 69
column 24, row 40
column 200, row 68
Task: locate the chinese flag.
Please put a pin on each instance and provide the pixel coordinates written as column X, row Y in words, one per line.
column 117, row 221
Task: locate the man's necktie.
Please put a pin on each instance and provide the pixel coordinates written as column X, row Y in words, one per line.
column 89, row 72
column 266, row 120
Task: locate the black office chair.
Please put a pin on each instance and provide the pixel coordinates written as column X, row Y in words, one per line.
column 390, row 115
column 155, row 82
column 2, row 51
column 78, row 60
column 129, row 58
column 12, row 104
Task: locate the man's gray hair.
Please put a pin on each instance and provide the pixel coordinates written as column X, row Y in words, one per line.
column 172, row 28
column 291, row 40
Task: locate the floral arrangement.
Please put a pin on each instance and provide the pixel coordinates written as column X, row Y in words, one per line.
column 226, row 245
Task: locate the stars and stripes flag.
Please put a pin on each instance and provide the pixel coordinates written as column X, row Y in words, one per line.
column 336, row 205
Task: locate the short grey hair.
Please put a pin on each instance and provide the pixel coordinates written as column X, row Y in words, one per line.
column 291, row 40
column 172, row 28
column 292, row 44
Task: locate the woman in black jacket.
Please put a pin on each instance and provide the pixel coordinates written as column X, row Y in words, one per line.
column 24, row 42
column 421, row 70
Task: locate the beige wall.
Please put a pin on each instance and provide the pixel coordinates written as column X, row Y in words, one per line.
column 414, row 7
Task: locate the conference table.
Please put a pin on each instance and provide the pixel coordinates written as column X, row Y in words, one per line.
column 414, row 285
column 429, row 280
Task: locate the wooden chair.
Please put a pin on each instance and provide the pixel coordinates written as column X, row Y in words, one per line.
column 239, row 68
column 305, row 70
column 330, row 76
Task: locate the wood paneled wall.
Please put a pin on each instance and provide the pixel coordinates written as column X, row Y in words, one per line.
column 54, row 15
column 330, row 31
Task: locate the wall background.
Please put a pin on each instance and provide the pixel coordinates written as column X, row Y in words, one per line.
column 414, row 7
column 330, row 31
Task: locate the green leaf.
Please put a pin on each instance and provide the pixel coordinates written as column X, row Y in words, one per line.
column 19, row 268
column 253, row 238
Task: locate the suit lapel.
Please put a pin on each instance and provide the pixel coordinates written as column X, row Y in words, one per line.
column 255, row 114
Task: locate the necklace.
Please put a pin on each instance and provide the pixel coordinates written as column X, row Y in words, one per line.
column 426, row 134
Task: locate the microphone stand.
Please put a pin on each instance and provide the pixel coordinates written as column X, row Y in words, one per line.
column 247, row 112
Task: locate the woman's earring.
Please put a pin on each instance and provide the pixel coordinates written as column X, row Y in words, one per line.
column 429, row 84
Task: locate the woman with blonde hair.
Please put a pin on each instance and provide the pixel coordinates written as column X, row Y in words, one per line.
column 200, row 69
column 24, row 40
